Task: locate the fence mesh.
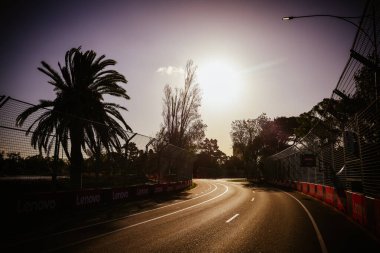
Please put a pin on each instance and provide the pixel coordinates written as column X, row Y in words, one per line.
column 139, row 160
column 345, row 142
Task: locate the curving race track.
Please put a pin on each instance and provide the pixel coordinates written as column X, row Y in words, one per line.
column 216, row 216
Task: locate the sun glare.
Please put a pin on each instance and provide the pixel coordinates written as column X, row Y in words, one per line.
column 220, row 83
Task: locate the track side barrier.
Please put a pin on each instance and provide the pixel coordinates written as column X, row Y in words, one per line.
column 362, row 209
column 329, row 195
column 340, row 201
column 357, row 208
column 41, row 203
column 312, row 190
column 88, row 198
column 305, row 188
column 319, row 192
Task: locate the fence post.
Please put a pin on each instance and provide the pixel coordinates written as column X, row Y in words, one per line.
column 360, row 150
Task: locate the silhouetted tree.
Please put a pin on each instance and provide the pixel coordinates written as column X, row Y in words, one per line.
column 78, row 113
column 245, row 137
column 255, row 139
column 131, row 151
column 210, row 159
column 183, row 126
column 210, row 147
column 277, row 135
column 233, row 167
column 327, row 120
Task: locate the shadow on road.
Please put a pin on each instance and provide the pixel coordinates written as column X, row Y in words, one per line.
column 24, row 226
column 262, row 186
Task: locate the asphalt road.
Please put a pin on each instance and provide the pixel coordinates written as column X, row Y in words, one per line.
column 216, row 216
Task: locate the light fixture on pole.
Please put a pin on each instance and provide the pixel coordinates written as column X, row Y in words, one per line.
column 346, row 19
column 354, row 54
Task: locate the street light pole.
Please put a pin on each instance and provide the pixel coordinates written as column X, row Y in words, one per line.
column 355, row 55
column 346, row 19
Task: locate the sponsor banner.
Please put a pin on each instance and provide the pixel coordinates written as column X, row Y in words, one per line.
column 39, row 203
column 142, row 191
column 87, row 198
column 120, row 194
column 329, row 195
column 36, row 203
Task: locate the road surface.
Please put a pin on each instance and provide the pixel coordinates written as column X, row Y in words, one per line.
column 216, row 216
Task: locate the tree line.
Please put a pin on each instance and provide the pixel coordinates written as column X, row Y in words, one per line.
column 329, row 121
column 80, row 120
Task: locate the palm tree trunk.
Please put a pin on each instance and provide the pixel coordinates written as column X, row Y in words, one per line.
column 76, row 158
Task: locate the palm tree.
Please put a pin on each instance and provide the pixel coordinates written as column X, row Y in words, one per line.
column 79, row 115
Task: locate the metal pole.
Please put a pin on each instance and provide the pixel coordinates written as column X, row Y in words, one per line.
column 360, row 150
column 376, row 56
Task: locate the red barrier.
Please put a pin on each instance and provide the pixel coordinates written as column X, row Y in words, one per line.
column 329, row 195
column 358, row 208
column 299, row 186
column 319, row 193
column 312, row 190
column 364, row 210
column 340, row 202
column 305, row 188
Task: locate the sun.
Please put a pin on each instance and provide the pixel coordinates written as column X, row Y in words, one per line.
column 220, row 83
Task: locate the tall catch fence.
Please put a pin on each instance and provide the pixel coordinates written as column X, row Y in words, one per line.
column 343, row 147
column 134, row 159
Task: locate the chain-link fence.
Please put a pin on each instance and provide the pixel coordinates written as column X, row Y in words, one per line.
column 134, row 159
column 343, row 148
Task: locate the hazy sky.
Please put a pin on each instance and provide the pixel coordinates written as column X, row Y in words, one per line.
column 249, row 60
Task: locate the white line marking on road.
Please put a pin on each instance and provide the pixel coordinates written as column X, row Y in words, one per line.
column 253, row 191
column 253, row 199
column 319, row 235
column 233, row 217
column 139, row 223
column 116, row 219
